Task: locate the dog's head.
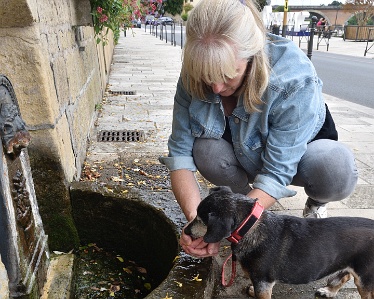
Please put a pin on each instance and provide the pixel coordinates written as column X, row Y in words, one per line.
column 218, row 215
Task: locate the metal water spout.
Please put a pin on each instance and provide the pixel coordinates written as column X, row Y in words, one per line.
column 23, row 242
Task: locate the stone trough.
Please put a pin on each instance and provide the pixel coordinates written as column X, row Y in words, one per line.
column 144, row 226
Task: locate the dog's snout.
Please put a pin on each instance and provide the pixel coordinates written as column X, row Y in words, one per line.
column 196, row 228
column 187, row 229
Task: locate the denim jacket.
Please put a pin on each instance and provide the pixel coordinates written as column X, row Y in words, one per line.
column 268, row 143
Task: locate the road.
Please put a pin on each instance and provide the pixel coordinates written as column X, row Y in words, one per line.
column 346, row 77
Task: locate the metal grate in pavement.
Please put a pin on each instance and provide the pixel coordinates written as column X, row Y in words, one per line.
column 121, row 136
column 123, row 92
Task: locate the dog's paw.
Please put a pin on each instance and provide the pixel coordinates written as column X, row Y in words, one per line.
column 325, row 293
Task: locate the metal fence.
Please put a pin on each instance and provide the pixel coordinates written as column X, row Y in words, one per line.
column 173, row 33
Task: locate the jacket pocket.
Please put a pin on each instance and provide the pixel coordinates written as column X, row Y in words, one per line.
column 254, row 143
column 205, row 119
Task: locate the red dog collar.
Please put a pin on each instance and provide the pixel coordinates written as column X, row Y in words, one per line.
column 247, row 224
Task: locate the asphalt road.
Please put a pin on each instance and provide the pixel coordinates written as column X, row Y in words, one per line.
column 346, row 77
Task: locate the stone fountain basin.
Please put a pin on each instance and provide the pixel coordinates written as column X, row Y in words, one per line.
column 145, row 226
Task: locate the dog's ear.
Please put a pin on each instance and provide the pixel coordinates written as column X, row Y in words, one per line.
column 219, row 188
column 217, row 229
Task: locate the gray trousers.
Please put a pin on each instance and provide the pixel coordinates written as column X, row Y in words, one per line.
column 327, row 171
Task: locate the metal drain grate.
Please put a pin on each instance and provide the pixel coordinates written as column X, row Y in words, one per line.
column 123, row 92
column 121, row 136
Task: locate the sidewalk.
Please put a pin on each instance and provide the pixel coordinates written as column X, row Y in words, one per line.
column 148, row 67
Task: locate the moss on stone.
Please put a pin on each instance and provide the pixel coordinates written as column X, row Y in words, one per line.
column 62, row 233
column 52, row 193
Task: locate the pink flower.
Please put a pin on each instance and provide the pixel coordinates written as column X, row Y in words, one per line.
column 99, row 9
column 103, row 18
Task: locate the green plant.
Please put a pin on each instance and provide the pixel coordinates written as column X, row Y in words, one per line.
column 173, row 7
column 116, row 14
column 184, row 16
column 98, row 107
column 187, row 7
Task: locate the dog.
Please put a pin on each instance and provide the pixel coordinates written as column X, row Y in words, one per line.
column 288, row 249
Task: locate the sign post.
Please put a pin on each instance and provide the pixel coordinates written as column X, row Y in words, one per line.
column 284, row 28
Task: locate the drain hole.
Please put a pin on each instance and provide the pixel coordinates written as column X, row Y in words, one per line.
column 123, row 92
column 121, row 136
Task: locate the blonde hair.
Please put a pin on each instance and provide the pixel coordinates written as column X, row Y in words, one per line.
column 218, row 33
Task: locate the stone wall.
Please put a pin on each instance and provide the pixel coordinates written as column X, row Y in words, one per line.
column 58, row 79
column 4, row 288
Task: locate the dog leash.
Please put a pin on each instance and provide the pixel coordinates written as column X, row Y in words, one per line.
column 236, row 236
column 233, row 271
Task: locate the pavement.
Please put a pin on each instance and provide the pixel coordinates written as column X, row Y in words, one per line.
column 139, row 98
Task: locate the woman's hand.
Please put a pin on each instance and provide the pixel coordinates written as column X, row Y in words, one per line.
column 198, row 248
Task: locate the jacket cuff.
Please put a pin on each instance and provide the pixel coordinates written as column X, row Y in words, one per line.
column 180, row 162
column 272, row 187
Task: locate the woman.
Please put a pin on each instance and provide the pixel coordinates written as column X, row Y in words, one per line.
column 249, row 114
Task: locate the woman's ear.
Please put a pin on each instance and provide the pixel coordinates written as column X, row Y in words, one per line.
column 217, row 229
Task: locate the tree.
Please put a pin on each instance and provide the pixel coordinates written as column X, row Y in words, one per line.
column 173, row 7
column 261, row 4
column 363, row 10
column 335, row 3
column 187, row 7
column 279, row 8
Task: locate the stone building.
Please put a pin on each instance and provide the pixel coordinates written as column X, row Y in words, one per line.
column 59, row 73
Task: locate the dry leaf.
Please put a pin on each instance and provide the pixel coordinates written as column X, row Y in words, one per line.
column 127, row 270
column 117, row 179
column 141, row 270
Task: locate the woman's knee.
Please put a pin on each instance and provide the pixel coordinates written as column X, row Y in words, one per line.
column 330, row 171
column 216, row 161
column 214, row 154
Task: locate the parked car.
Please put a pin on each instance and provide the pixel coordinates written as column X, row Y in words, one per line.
column 149, row 19
column 164, row 21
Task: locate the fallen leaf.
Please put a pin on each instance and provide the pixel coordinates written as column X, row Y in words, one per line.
column 120, row 259
column 141, row 270
column 176, row 258
column 167, row 296
column 127, row 270
column 142, row 172
column 114, row 288
column 117, row 179
column 196, row 278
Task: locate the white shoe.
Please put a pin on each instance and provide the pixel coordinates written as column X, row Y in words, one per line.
column 312, row 211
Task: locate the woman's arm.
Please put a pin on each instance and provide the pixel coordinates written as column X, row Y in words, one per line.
column 263, row 198
column 186, row 191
